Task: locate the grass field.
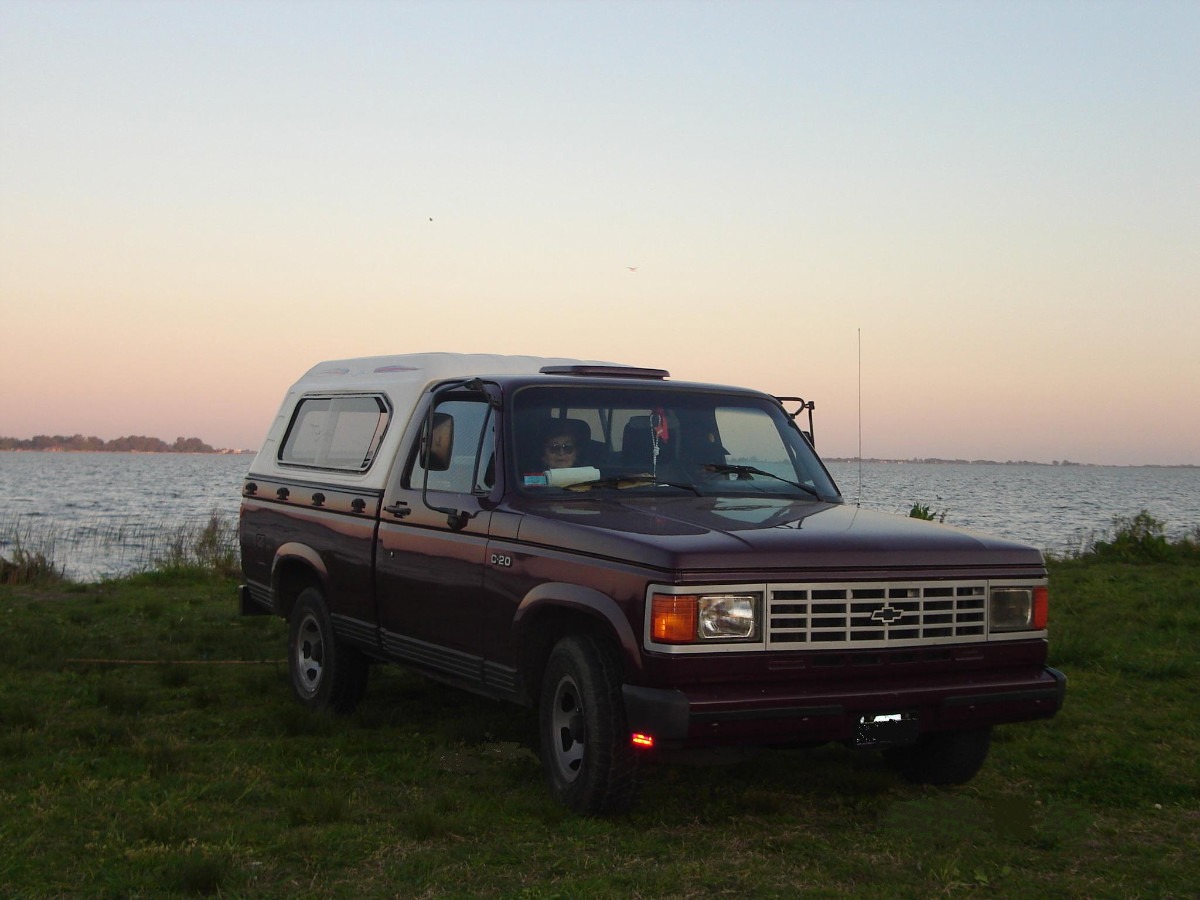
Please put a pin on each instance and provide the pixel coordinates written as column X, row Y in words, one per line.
column 149, row 746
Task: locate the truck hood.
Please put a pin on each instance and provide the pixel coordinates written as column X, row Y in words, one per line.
column 742, row 534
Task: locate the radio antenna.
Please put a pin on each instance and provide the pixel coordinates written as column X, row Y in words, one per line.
column 860, row 460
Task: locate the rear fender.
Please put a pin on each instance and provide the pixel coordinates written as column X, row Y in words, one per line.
column 295, row 563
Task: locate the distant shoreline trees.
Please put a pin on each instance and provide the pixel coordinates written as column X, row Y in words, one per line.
column 134, row 443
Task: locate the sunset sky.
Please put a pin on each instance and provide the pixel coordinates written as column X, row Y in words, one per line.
column 200, row 200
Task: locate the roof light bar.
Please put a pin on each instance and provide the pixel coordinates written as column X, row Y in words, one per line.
column 607, row 371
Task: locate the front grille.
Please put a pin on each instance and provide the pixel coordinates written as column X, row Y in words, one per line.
column 875, row 614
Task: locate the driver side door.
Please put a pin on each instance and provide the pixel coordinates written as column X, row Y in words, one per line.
column 432, row 542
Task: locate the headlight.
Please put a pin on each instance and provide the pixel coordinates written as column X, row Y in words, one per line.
column 727, row 616
column 1018, row 608
column 696, row 618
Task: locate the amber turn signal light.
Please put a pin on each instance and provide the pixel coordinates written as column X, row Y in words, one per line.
column 673, row 618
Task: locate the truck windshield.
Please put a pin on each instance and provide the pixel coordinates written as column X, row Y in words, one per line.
column 564, row 440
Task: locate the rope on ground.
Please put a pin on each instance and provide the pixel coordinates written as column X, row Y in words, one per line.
column 176, row 662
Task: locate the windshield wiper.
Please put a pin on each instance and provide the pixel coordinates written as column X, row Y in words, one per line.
column 622, row 482
column 741, row 471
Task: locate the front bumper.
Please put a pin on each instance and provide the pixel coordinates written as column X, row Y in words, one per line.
column 719, row 716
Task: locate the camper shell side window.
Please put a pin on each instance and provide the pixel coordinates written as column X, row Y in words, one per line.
column 336, row 432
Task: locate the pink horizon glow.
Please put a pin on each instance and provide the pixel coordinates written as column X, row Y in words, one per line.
column 198, row 205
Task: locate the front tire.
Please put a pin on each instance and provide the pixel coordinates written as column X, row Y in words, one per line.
column 326, row 673
column 942, row 757
column 587, row 753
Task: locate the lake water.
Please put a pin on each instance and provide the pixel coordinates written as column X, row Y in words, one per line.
column 1061, row 509
column 106, row 514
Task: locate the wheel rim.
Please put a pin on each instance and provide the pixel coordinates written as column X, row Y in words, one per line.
column 568, row 729
column 309, row 655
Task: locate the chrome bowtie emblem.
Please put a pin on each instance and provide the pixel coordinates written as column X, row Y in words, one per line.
column 887, row 614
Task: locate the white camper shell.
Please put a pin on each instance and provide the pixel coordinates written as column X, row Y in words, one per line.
column 354, row 411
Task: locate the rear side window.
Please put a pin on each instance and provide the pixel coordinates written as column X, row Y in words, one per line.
column 335, row 433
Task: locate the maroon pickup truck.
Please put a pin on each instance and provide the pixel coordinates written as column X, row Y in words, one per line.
column 653, row 565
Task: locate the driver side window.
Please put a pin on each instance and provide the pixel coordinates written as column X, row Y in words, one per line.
column 464, row 442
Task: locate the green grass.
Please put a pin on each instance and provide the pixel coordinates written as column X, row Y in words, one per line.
column 149, row 746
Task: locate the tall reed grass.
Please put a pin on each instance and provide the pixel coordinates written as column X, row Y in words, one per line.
column 32, row 549
column 1140, row 538
column 21, row 566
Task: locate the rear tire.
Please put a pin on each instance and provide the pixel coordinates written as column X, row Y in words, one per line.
column 942, row 757
column 587, row 752
column 326, row 673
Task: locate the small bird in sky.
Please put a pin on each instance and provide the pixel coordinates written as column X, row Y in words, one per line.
column 632, row 268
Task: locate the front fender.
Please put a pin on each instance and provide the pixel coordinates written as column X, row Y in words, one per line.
column 577, row 599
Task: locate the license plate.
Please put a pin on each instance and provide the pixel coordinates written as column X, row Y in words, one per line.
column 886, row 730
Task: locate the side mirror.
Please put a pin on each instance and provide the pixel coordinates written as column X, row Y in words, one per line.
column 438, row 443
